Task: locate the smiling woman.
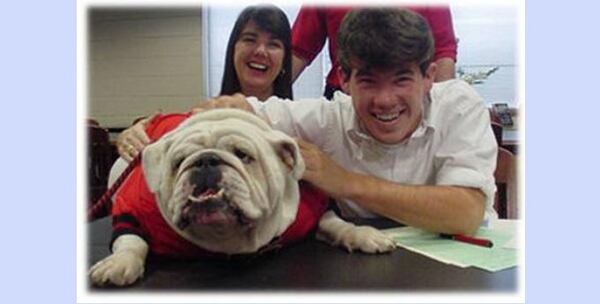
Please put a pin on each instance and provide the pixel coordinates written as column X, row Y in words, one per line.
column 258, row 60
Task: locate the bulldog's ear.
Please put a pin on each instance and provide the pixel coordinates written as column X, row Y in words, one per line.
column 289, row 153
column 153, row 157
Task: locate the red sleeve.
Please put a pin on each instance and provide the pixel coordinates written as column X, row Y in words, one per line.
column 440, row 22
column 133, row 201
column 309, row 33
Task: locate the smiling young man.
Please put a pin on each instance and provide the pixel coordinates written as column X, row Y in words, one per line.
column 397, row 145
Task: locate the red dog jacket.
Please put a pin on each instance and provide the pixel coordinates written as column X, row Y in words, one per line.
column 135, row 210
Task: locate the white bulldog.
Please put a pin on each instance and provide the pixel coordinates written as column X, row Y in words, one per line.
column 226, row 182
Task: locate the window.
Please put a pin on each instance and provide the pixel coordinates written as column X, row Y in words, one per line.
column 487, row 50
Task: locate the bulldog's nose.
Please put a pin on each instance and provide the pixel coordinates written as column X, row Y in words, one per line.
column 207, row 173
column 208, row 160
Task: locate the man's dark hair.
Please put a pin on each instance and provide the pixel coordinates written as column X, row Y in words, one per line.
column 384, row 37
column 273, row 20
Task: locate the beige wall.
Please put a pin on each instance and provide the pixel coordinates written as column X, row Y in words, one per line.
column 141, row 61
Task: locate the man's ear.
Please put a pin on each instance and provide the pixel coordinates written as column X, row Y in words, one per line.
column 344, row 79
column 153, row 157
column 429, row 76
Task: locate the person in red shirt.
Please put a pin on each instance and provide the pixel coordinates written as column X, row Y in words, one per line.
column 314, row 25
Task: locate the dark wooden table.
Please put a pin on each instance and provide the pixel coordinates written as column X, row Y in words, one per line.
column 308, row 266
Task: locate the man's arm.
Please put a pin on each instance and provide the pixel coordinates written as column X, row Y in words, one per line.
column 309, row 34
column 298, row 65
column 445, row 209
column 445, row 69
column 235, row 101
column 440, row 22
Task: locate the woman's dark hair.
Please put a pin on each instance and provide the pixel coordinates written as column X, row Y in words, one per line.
column 270, row 19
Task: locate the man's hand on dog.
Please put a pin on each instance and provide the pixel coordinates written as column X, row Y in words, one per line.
column 322, row 171
column 236, row 101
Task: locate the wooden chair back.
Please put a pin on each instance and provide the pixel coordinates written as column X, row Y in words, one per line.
column 505, row 200
column 497, row 129
column 100, row 157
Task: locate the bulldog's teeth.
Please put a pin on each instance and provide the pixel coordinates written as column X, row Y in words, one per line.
column 207, row 195
column 196, row 199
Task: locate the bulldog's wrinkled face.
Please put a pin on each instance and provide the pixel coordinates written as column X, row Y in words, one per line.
column 211, row 192
column 220, row 185
column 225, row 180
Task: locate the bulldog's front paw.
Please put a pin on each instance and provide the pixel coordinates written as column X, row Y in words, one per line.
column 338, row 232
column 120, row 268
column 366, row 239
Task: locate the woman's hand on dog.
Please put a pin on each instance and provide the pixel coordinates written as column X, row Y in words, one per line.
column 133, row 140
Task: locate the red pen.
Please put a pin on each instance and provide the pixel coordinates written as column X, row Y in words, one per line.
column 468, row 239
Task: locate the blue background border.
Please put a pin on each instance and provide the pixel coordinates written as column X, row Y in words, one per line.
column 38, row 66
